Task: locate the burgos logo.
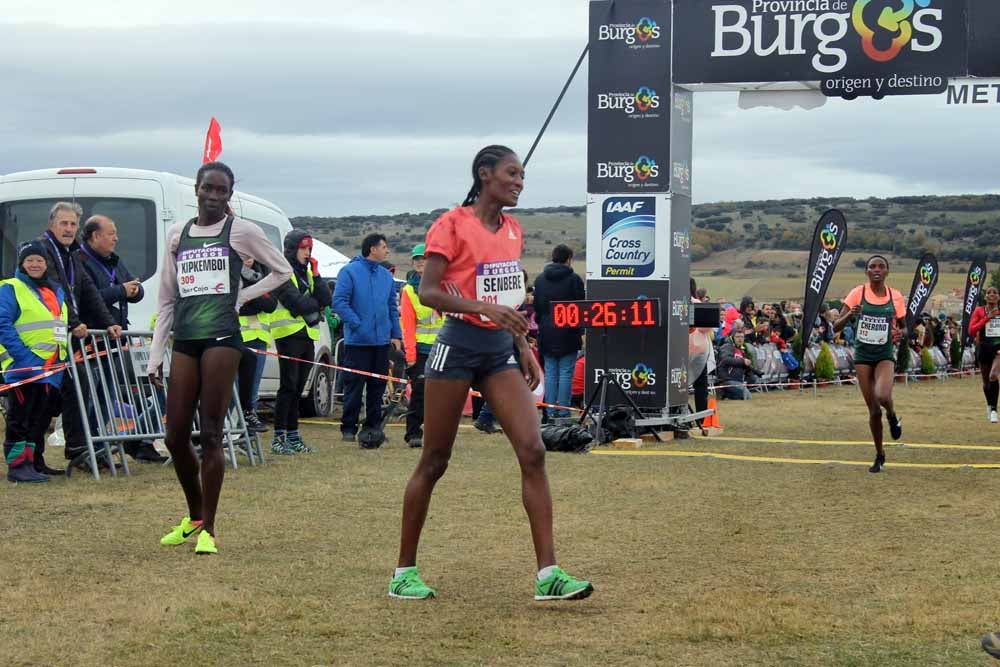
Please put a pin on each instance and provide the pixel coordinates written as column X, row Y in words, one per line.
column 643, row 169
column 645, row 31
column 975, row 275
column 637, row 104
column 646, row 167
column 894, row 21
column 643, row 376
column 828, row 237
column 926, row 274
column 779, row 27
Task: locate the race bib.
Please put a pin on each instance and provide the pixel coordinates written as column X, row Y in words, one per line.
column 873, row 330
column 61, row 333
column 501, row 283
column 993, row 327
column 203, row 271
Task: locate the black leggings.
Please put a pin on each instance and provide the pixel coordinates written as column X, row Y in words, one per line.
column 248, row 372
column 293, row 378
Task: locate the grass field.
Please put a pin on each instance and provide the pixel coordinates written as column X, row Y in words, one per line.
column 696, row 562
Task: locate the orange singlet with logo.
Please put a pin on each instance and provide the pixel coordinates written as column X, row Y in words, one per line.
column 482, row 265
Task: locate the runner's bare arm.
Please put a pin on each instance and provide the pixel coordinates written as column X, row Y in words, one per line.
column 529, row 364
column 433, row 296
column 846, row 314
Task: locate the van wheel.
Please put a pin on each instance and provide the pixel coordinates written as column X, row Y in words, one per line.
column 319, row 403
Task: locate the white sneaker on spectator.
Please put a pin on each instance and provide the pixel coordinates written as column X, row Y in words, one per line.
column 993, row 417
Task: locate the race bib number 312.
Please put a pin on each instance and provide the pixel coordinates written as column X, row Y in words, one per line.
column 203, row 271
column 500, row 283
column 873, row 330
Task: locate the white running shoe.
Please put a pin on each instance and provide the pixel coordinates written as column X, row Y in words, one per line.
column 993, row 417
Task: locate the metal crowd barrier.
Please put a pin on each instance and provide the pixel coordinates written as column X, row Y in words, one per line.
column 119, row 404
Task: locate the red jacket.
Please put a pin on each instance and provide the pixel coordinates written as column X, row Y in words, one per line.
column 977, row 321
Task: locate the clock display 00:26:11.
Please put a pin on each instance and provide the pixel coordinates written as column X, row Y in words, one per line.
column 600, row 314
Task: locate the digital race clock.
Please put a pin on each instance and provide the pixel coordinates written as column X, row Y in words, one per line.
column 606, row 314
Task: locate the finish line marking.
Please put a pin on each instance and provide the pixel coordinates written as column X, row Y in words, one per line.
column 867, row 443
column 776, row 459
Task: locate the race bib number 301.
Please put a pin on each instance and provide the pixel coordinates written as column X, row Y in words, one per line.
column 203, row 271
column 500, row 283
column 873, row 330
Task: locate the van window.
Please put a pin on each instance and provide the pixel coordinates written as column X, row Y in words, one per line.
column 22, row 221
column 272, row 233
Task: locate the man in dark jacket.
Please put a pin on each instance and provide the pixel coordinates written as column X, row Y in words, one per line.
column 558, row 347
column 117, row 285
column 367, row 301
column 294, row 327
column 118, row 288
column 735, row 368
column 85, row 305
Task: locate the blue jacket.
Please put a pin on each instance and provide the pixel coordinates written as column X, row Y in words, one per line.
column 22, row 356
column 367, row 302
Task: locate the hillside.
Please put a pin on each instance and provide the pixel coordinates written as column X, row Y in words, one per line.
column 742, row 246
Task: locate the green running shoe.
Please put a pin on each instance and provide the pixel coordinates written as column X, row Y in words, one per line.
column 409, row 586
column 180, row 534
column 206, row 544
column 561, row 586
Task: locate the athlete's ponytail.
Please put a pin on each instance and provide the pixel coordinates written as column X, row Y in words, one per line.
column 487, row 157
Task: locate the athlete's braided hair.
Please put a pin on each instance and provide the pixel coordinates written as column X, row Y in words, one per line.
column 216, row 166
column 487, row 157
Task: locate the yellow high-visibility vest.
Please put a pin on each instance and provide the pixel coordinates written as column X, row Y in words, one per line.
column 255, row 327
column 429, row 321
column 40, row 332
column 283, row 324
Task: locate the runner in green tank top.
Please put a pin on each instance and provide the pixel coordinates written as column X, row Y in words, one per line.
column 199, row 298
column 881, row 320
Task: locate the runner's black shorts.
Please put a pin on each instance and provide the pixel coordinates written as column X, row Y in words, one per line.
column 196, row 348
column 464, row 351
column 987, row 352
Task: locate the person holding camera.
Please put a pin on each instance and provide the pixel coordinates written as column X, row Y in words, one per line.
column 295, row 329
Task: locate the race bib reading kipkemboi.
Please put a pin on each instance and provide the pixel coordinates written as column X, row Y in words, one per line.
column 873, row 330
column 203, row 271
column 501, row 283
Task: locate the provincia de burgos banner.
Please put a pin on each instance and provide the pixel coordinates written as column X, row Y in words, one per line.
column 853, row 48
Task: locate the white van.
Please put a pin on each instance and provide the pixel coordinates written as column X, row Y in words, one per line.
column 143, row 205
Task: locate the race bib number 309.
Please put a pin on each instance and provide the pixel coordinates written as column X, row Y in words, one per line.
column 203, row 271
column 500, row 283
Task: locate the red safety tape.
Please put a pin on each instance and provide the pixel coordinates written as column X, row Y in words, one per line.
column 384, row 377
column 838, row 382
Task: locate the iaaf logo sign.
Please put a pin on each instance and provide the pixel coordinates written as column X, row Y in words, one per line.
column 779, row 28
column 643, row 103
column 641, row 173
column 643, row 34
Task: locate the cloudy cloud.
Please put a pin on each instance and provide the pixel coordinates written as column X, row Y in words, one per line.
column 341, row 108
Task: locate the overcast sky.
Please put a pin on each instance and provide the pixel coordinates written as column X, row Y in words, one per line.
column 334, row 108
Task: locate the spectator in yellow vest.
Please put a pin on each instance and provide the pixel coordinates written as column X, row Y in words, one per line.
column 420, row 326
column 33, row 336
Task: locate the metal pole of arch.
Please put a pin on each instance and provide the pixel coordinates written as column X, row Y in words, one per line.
column 555, row 106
